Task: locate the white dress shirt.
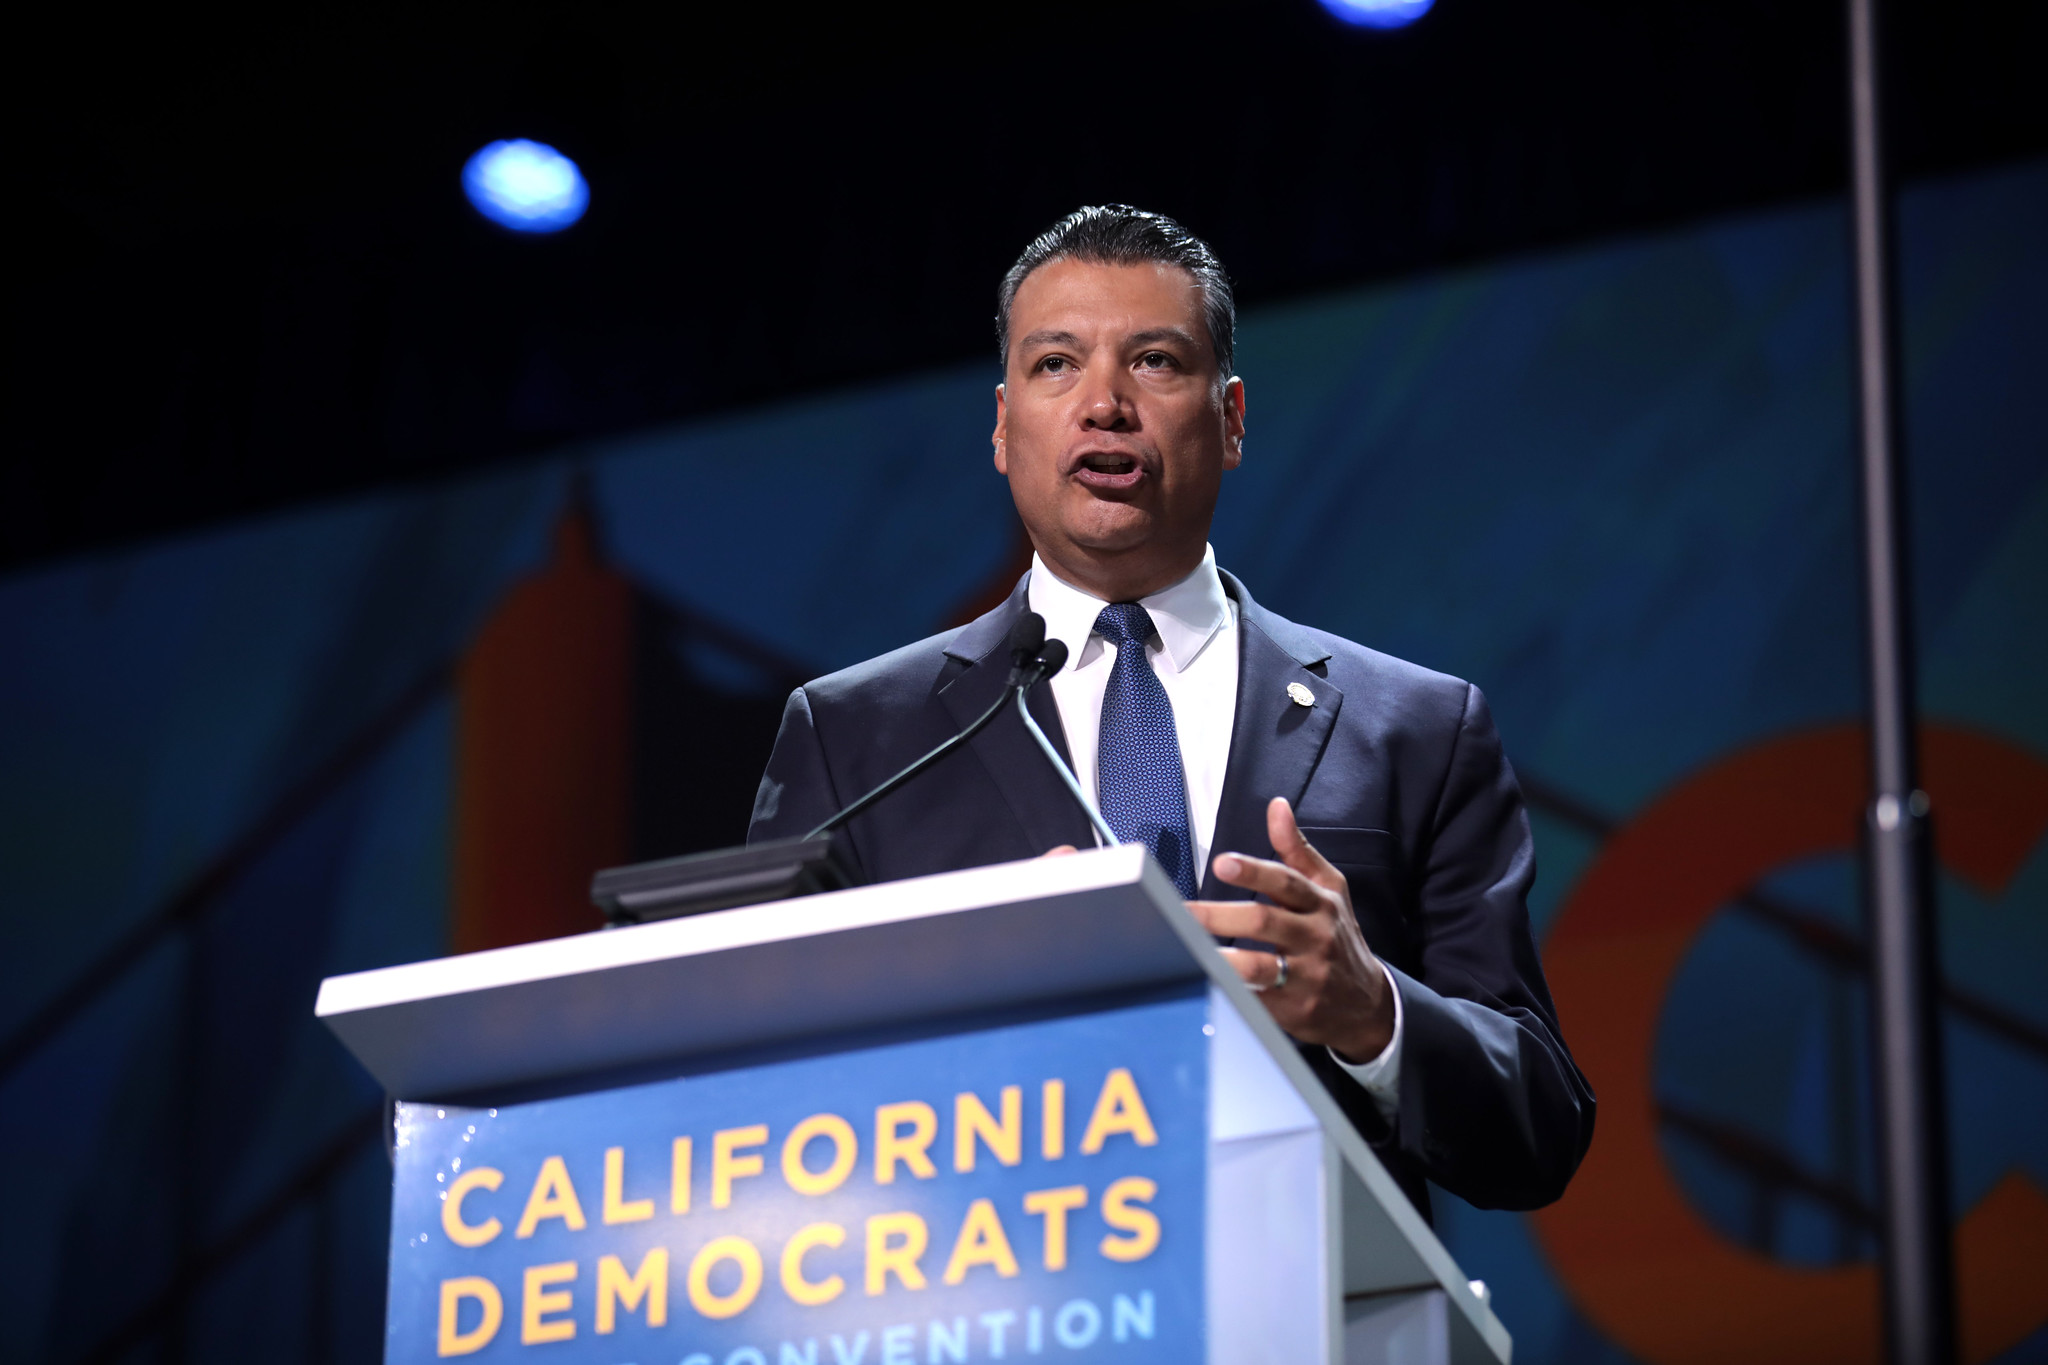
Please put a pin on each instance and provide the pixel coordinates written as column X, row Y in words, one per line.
column 1195, row 656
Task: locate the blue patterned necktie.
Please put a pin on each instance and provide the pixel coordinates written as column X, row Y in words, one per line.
column 1138, row 777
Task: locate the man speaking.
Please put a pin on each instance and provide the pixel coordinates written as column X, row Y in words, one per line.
column 1364, row 802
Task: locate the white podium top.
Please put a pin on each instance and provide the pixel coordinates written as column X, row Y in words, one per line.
column 868, row 957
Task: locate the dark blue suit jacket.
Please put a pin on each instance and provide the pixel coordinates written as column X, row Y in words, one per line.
column 1395, row 774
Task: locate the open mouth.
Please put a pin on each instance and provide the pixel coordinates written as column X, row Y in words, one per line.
column 1107, row 470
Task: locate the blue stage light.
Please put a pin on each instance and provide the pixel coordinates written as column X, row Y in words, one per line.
column 527, row 186
column 1378, row 13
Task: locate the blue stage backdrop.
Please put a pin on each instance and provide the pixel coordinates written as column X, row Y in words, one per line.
column 1613, row 486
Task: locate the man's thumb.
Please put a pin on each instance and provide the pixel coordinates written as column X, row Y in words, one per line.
column 1292, row 846
column 1285, row 835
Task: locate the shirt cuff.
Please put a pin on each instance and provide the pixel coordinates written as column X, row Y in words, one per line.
column 1381, row 1077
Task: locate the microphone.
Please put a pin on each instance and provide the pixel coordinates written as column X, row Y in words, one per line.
column 798, row 867
column 1033, row 659
column 1051, row 658
column 1027, row 638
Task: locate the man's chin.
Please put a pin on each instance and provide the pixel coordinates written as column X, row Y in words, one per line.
column 1124, row 531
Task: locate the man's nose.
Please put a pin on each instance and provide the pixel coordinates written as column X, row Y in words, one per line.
column 1104, row 404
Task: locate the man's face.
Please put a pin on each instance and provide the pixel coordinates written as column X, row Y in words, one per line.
column 1113, row 423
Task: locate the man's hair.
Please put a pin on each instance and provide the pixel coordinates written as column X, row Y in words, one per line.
column 1117, row 234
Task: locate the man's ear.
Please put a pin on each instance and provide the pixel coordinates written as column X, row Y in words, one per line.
column 1233, row 422
column 1002, row 421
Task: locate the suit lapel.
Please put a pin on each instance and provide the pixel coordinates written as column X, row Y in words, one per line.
column 1036, row 797
column 1275, row 743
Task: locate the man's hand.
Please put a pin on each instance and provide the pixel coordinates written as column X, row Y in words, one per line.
column 1335, row 992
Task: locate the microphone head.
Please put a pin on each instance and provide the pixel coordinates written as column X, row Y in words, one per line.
column 1026, row 637
column 1052, row 658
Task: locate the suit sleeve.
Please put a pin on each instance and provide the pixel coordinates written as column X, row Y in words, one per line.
column 797, row 793
column 1491, row 1104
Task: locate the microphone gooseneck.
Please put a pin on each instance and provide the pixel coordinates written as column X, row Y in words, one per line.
column 1029, row 653
column 1033, row 659
column 1052, row 657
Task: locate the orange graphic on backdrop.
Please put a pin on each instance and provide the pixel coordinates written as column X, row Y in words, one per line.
column 1635, row 1257
column 543, row 749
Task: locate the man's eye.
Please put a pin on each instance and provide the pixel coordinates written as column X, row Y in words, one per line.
column 1156, row 360
column 1053, row 364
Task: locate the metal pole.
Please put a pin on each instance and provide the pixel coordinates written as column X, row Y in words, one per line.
column 1919, row 1278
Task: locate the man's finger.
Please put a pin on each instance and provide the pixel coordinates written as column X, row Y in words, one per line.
column 1261, row 971
column 1249, row 919
column 1294, row 848
column 1282, row 884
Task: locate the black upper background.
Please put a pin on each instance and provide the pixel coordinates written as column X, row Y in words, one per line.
column 245, row 275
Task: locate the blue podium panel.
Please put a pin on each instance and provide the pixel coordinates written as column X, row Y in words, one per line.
column 1002, row 1192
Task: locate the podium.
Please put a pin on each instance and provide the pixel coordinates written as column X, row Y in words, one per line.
column 1014, row 1112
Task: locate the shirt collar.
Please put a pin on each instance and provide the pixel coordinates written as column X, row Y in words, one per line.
column 1186, row 614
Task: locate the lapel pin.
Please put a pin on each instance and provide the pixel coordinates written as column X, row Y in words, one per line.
column 1300, row 695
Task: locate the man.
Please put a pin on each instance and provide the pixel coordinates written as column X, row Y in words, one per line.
column 1393, row 899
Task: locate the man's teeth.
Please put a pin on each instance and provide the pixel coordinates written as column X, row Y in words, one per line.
column 1109, row 464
